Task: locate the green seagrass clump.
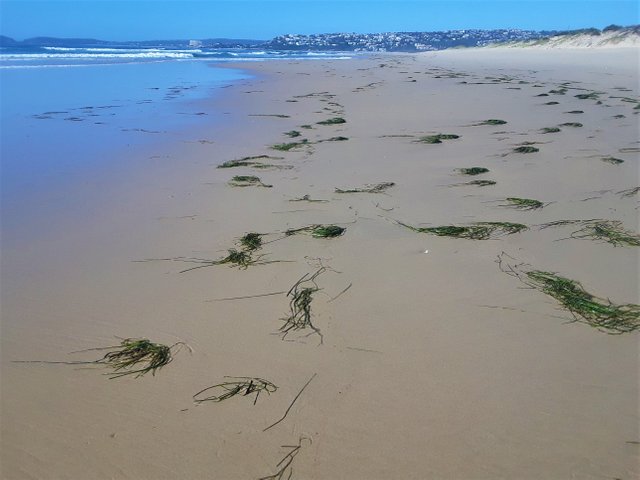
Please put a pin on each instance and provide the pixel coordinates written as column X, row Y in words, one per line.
column 526, row 149
column 609, row 231
column 285, row 147
column 332, row 121
column 612, row 160
column 550, row 130
column 292, row 133
column 473, row 170
column 377, row 188
column 572, row 124
column 248, row 161
column 251, row 241
column 552, row 103
column 334, row 139
column 492, row 121
column 585, row 307
column 247, row 181
column 237, row 163
column 523, row 203
column 242, row 386
column 587, row 96
column 238, row 258
column 474, row 231
column 431, row 139
column 318, row 231
column 301, row 294
column 575, row 111
column 136, row 356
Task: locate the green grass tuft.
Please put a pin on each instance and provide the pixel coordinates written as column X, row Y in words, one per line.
column 334, row 139
column 523, row 203
column 474, row 231
column 526, row 149
column 318, row 231
column 292, row 133
column 285, row 147
column 473, row 170
column 431, row 139
column 332, row 121
column 550, row 130
column 612, row 160
column 237, row 163
column 136, row 356
column 610, row 231
column 492, row 121
column 585, row 307
column 299, row 317
column 587, row 96
column 571, row 124
column 552, row 103
column 247, row 181
column 251, row 241
column 575, row 111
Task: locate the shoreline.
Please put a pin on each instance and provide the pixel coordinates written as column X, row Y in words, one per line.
column 435, row 365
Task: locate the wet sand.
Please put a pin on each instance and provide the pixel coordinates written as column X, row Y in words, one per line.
column 432, row 365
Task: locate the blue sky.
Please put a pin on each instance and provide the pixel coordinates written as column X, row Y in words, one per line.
column 263, row 19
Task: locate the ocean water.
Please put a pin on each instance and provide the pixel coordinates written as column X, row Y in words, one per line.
column 66, row 110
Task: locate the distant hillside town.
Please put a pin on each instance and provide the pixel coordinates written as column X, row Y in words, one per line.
column 426, row 41
column 402, row 41
column 360, row 42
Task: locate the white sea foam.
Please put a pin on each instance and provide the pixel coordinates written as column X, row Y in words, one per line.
column 139, row 54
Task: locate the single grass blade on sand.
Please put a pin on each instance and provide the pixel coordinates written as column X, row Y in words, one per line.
column 477, row 183
column 242, row 386
column 377, row 188
column 285, row 471
column 629, row 192
column 474, row 231
column 307, row 198
column 585, row 307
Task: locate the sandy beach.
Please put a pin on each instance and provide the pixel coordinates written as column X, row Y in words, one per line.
column 426, row 359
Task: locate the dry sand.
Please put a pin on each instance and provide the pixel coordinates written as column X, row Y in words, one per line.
column 434, row 365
